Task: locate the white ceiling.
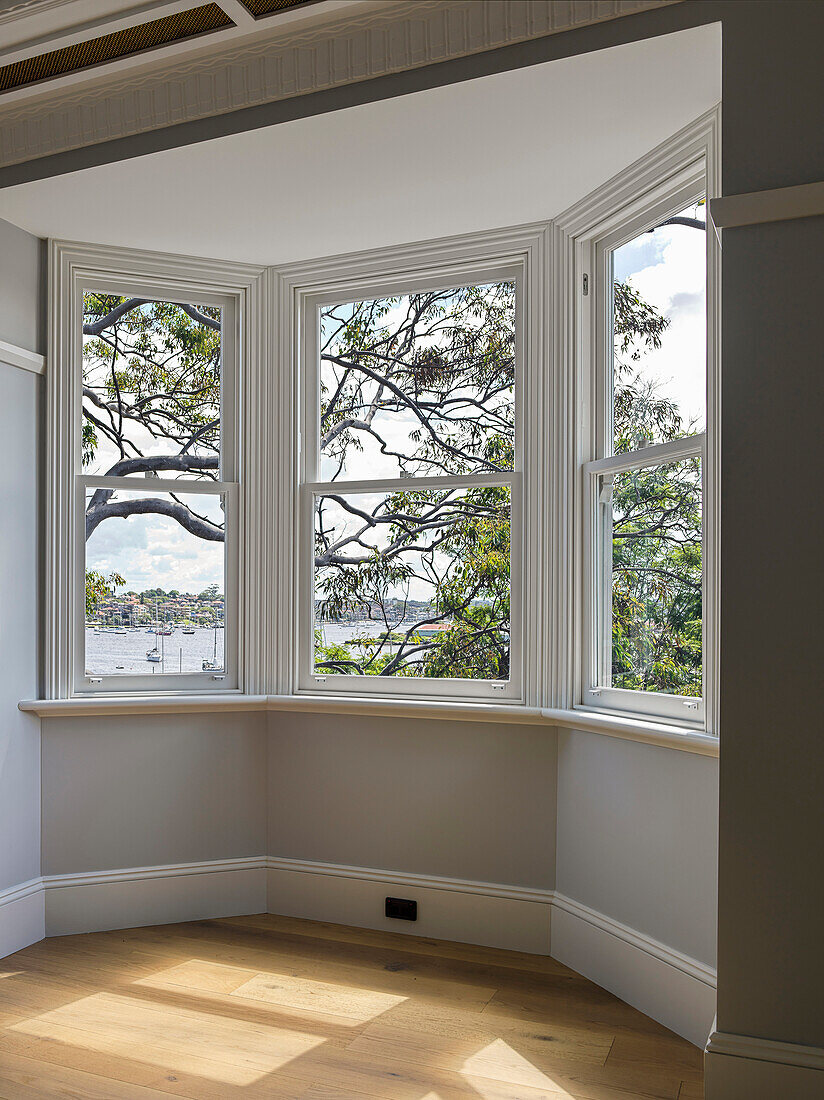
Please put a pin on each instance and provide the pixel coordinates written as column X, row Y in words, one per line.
column 515, row 147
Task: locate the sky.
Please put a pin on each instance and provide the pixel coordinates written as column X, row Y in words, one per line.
column 668, row 268
column 154, row 551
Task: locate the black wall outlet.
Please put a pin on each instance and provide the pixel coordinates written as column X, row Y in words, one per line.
column 402, row 908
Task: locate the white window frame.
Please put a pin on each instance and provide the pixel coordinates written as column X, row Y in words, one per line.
column 681, row 170
column 518, row 255
column 233, row 288
column 558, row 437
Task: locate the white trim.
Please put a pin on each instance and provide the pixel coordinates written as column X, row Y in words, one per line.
column 22, row 916
column 15, row 356
column 688, row 160
column 142, row 704
column 688, row 447
column 133, row 897
column 765, row 1050
column 664, row 983
column 776, row 205
column 513, row 918
column 659, row 980
column 237, row 288
column 442, row 262
column 634, row 729
column 412, row 881
column 142, row 874
column 741, row 1067
column 624, row 728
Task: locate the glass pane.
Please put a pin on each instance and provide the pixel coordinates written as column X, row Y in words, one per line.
column 151, row 388
column 656, row 630
column 413, row 583
column 421, row 384
column 154, row 583
column 659, row 333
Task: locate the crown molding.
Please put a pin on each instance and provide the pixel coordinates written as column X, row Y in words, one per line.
column 125, row 99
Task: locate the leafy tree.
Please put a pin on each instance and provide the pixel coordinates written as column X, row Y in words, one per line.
column 100, row 588
column 413, row 386
column 151, row 402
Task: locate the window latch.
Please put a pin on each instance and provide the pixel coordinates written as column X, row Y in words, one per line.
column 692, row 704
column 95, row 679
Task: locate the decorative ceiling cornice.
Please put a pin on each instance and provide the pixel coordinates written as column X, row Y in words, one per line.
column 278, row 65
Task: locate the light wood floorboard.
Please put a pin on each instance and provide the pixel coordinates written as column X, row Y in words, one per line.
column 274, row 1007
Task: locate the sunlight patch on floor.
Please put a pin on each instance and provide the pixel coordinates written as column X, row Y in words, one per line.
column 234, row 1052
column 353, row 1005
column 499, row 1062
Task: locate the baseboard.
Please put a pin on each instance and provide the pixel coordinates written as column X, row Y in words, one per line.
column 672, row 988
column 489, row 914
column 22, row 920
column 740, row 1067
column 102, row 900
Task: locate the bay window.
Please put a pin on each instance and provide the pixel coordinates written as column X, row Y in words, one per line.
column 479, row 470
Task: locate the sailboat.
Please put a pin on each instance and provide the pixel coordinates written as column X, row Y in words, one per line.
column 156, row 655
column 214, row 665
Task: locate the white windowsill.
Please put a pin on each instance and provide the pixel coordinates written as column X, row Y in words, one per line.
column 631, row 729
column 635, row 729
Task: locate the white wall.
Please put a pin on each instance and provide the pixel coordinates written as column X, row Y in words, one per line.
column 20, row 414
column 453, row 799
column 637, row 837
column 145, row 791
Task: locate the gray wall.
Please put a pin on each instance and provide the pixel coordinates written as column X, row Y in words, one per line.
column 22, row 288
column 771, row 889
column 637, row 837
column 142, row 791
column 21, row 311
column 458, row 799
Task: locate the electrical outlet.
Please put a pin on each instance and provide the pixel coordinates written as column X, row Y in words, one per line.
column 402, row 908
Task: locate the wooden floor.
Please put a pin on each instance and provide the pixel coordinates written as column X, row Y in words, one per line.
column 273, row 1007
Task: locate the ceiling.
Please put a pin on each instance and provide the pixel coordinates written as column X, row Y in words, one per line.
column 46, row 40
column 515, row 147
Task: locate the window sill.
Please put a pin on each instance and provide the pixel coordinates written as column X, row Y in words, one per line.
column 146, row 704
column 631, row 729
column 635, row 729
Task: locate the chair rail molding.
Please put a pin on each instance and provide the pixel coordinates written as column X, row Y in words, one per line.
column 15, row 356
column 137, row 95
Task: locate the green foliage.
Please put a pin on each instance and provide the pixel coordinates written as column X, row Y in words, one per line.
column 153, row 373
column 100, row 588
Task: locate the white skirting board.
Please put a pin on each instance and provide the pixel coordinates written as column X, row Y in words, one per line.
column 738, row 1067
column 448, row 909
column 671, row 987
column 22, row 916
column 137, row 896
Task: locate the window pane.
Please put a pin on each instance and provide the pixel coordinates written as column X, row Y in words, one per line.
column 151, row 387
column 421, row 384
column 154, row 583
column 656, row 629
column 659, row 333
column 413, row 583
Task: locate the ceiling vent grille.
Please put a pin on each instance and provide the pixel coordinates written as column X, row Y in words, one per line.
column 269, row 7
column 131, row 40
